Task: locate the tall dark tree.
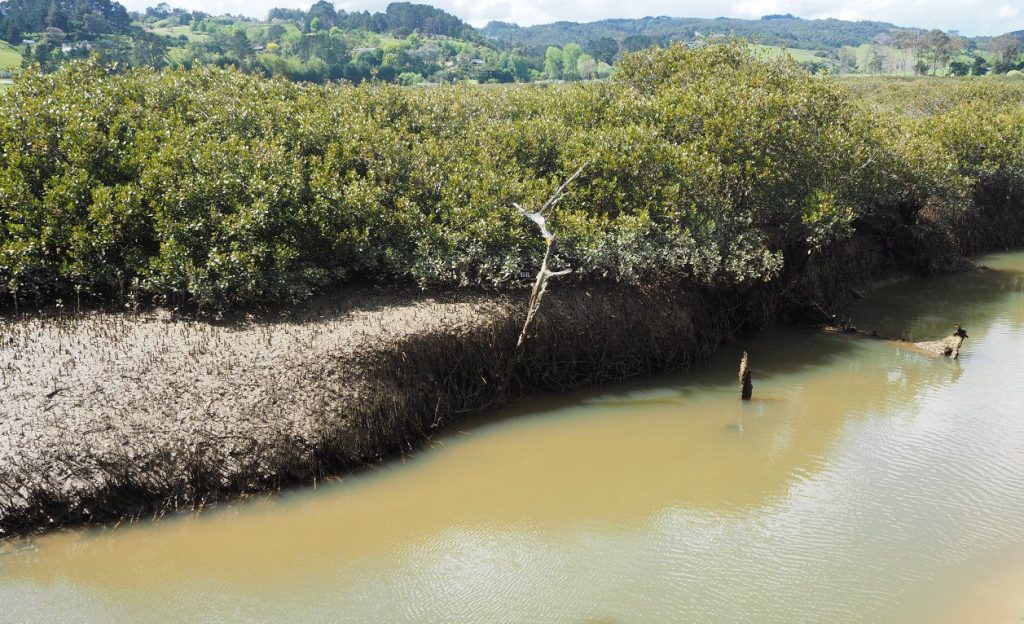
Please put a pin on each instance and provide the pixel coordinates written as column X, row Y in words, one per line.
column 323, row 11
column 55, row 17
column 603, row 49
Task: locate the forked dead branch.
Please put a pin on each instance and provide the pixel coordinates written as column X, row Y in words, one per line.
column 540, row 285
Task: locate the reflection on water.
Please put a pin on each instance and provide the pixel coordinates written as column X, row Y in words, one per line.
column 863, row 483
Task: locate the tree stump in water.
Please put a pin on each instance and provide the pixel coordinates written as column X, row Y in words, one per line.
column 746, row 387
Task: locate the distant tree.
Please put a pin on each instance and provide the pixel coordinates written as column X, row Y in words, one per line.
column 287, row 15
column 553, row 63
column 159, row 12
column 816, row 67
column 44, row 54
column 54, row 36
column 571, row 54
column 848, row 59
column 1003, row 67
column 10, row 31
column 903, row 39
column 55, row 18
column 603, row 49
column 980, row 66
column 407, row 17
column 635, row 43
column 936, row 47
column 959, row 68
column 150, row 50
column 1006, row 48
column 275, row 32
column 516, row 66
column 95, row 24
column 945, row 46
column 239, row 45
column 324, row 14
column 885, row 39
column 876, row 60
column 586, row 67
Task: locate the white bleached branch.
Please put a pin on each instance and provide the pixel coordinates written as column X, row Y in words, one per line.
column 540, row 285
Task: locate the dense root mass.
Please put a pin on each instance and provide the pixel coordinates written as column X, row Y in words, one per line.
column 111, row 415
column 106, row 411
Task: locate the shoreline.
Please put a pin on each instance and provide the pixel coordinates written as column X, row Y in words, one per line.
column 114, row 416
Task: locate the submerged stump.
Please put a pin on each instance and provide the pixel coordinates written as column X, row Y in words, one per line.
column 746, row 387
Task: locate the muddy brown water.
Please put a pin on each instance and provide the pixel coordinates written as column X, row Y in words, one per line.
column 864, row 483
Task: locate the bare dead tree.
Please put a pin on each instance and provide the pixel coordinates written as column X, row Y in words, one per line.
column 540, row 285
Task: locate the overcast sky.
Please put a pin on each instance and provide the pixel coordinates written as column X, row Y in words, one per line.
column 970, row 17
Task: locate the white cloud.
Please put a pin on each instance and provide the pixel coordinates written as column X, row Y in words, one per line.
column 970, row 17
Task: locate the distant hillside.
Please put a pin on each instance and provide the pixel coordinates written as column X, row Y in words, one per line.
column 775, row 30
column 10, row 58
column 83, row 18
column 411, row 43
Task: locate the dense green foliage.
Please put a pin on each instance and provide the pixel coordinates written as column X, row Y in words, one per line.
column 926, row 97
column 702, row 166
column 408, row 43
column 77, row 18
column 400, row 18
column 320, row 55
column 787, row 31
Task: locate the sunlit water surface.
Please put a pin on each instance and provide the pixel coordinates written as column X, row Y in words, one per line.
column 864, row 483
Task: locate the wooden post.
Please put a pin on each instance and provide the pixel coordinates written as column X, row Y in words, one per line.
column 746, row 387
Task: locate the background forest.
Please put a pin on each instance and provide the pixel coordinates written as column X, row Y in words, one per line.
column 414, row 43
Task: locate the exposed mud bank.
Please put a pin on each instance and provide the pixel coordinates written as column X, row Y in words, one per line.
column 110, row 416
